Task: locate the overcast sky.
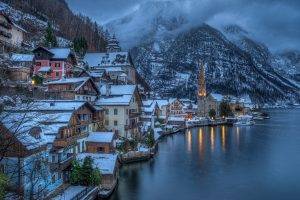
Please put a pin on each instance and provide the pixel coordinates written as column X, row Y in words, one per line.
column 274, row 22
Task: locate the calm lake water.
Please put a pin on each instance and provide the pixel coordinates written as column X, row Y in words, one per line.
column 258, row 162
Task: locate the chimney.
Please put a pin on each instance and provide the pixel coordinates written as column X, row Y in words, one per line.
column 108, row 89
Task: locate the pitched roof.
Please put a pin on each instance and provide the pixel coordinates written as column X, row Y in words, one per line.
column 216, row 96
column 122, row 100
column 106, row 163
column 60, row 53
column 104, row 137
column 119, row 89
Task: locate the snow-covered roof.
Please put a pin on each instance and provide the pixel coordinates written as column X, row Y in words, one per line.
column 60, row 53
column 80, row 81
column 68, row 80
column 45, row 69
column 17, row 57
column 118, row 89
column 20, row 123
column 162, row 102
column 70, row 192
column 122, row 100
column 106, row 163
column 104, row 137
column 114, row 69
column 176, row 118
column 49, row 105
column 217, row 97
column 107, row 59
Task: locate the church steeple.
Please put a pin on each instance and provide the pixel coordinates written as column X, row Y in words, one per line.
column 113, row 45
column 201, row 82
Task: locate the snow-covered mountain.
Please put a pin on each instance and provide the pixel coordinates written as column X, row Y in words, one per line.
column 167, row 49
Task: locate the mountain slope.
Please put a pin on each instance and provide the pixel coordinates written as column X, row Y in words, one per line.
column 33, row 15
column 168, row 47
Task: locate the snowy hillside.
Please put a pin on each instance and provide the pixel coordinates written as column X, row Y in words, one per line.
column 237, row 64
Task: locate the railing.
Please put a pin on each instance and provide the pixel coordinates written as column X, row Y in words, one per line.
column 134, row 114
column 83, row 193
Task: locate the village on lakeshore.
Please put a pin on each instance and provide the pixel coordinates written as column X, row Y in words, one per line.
column 69, row 122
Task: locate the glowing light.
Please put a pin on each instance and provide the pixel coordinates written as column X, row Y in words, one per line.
column 33, row 82
column 223, row 138
column 189, row 140
column 212, row 138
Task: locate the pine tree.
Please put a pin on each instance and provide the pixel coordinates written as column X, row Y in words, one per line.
column 50, row 38
column 3, row 185
column 80, row 45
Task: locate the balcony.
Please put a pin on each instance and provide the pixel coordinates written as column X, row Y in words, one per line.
column 134, row 114
column 63, row 163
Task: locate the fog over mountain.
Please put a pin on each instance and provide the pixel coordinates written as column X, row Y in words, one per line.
column 273, row 22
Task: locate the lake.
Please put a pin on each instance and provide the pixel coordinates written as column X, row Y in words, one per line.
column 255, row 162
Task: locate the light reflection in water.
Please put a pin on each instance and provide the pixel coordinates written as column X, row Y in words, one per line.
column 200, row 142
column 189, row 141
column 212, row 139
column 223, row 138
column 238, row 136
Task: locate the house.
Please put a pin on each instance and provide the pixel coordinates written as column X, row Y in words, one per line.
column 52, row 130
column 107, row 164
column 97, row 76
column 150, row 111
column 54, row 63
column 163, row 108
column 122, row 105
column 21, row 69
column 11, row 34
column 81, row 88
column 175, row 107
column 100, row 142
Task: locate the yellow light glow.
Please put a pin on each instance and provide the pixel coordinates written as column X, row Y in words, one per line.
column 33, row 82
column 189, row 141
column 223, row 138
column 212, row 138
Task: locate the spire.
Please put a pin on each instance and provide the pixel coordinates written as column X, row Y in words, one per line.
column 113, row 44
column 201, row 82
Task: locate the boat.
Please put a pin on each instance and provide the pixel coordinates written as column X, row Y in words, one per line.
column 244, row 120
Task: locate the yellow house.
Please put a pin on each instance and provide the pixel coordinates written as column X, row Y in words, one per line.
column 122, row 105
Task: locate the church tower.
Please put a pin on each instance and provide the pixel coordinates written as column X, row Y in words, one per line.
column 113, row 45
column 201, row 93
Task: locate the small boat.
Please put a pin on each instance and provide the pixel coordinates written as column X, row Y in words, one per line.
column 244, row 120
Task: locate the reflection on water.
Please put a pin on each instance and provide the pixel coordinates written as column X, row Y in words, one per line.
column 257, row 162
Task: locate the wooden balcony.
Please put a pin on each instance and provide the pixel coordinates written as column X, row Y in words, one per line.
column 63, row 164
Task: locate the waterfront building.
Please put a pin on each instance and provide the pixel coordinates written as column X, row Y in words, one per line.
column 206, row 102
column 101, row 142
column 163, row 108
column 122, row 105
column 81, row 88
column 175, row 107
column 54, row 63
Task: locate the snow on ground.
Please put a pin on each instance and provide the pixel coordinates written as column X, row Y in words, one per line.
column 70, row 193
column 157, row 133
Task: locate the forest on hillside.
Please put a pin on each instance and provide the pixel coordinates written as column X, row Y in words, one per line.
column 70, row 25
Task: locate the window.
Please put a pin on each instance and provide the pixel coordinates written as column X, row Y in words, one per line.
column 106, row 122
column 115, row 111
column 100, row 149
column 38, row 63
column 107, row 111
column 57, row 65
column 53, row 179
column 115, row 123
column 53, row 158
column 82, row 146
column 127, row 111
column 57, row 74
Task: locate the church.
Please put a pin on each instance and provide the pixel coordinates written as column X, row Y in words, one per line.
column 206, row 102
